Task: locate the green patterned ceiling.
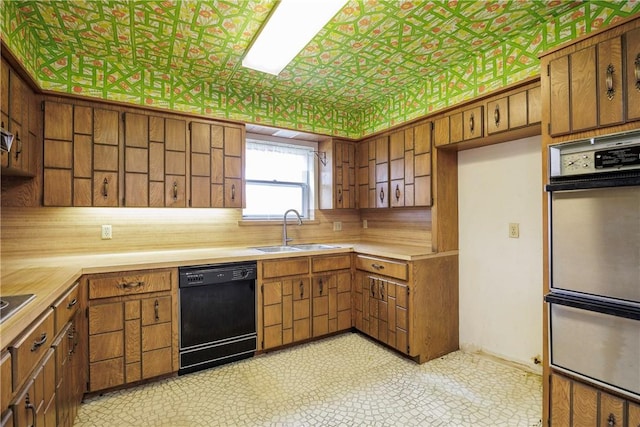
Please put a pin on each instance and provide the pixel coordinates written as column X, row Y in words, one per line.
column 377, row 63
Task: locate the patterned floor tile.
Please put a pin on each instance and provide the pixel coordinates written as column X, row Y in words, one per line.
column 347, row 380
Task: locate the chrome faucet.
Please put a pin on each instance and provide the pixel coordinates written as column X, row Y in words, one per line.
column 285, row 239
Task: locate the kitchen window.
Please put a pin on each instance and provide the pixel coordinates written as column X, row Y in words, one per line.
column 279, row 176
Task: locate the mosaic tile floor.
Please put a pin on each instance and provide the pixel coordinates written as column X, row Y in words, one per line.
column 340, row 381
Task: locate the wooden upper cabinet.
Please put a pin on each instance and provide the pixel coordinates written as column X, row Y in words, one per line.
column 362, row 173
column 337, row 178
column 58, row 155
column 498, row 115
column 473, row 123
column 632, row 59
column 105, row 157
column 136, row 159
column 610, row 78
column 380, row 147
column 217, row 165
column 589, row 87
column 175, row 145
column 441, row 132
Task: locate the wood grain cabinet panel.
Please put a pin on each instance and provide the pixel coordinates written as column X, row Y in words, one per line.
column 441, row 134
column 610, row 78
column 559, row 106
column 6, row 388
column 634, row 414
column 583, row 84
column 337, row 178
column 632, row 89
column 498, row 113
column 132, row 326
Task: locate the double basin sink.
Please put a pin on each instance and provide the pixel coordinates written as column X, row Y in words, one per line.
column 295, row 248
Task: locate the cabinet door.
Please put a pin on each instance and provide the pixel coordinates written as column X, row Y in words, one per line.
column 584, row 405
column 272, row 314
column 381, row 172
column 156, row 162
column 634, row 414
column 397, row 167
column 58, row 154
column 498, row 115
column 200, row 164
column 421, row 168
column 441, row 132
column 105, row 158
column 611, row 410
column 301, row 292
column 136, row 159
column 518, row 110
column 6, row 385
column 534, row 105
column 473, row 123
column 357, row 306
column 175, row 163
column 583, row 90
column 320, row 305
column 343, row 300
column 362, row 164
column 632, row 90
column 233, row 167
column 560, row 406
column 559, row 112
column 610, row 78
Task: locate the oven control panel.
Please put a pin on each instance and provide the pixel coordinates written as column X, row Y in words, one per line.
column 605, row 154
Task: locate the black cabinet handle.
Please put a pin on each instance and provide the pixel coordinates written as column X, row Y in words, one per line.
column 398, row 193
column 496, row 115
column 233, row 192
column 72, row 303
column 637, row 71
column 131, row 285
column 381, row 194
column 373, row 291
column 611, row 420
column 105, row 188
column 321, row 286
column 301, row 289
column 377, row 266
column 472, row 123
column 175, row 190
column 156, row 310
column 38, row 343
column 29, row 405
column 18, row 145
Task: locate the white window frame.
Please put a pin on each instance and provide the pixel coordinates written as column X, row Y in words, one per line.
column 309, row 189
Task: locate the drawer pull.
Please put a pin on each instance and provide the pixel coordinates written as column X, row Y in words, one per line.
column 132, row 285
column 72, row 303
column 381, row 195
column 156, row 309
column 339, row 195
column 609, row 81
column 637, row 71
column 321, row 286
column 301, row 289
column 611, row 420
column 233, row 192
column 105, row 188
column 373, row 291
column 175, row 190
column 472, row 123
column 29, row 405
column 398, row 194
column 377, row 266
column 37, row 344
column 496, row 115
column 18, row 145
column 382, row 290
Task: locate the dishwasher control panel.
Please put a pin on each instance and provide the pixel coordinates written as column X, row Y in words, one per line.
column 216, row 273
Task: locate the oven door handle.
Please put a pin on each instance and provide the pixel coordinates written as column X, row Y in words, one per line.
column 593, row 304
column 588, row 184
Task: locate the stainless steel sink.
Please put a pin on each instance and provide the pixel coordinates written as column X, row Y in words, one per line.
column 10, row 304
column 314, row 247
column 272, row 249
column 295, row 248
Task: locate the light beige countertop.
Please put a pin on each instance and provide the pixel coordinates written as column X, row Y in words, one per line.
column 49, row 277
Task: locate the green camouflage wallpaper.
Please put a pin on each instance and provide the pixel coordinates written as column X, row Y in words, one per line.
column 375, row 65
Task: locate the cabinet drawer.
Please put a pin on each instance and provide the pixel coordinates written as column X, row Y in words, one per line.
column 31, row 347
column 385, row 267
column 285, row 267
column 129, row 284
column 328, row 263
column 66, row 307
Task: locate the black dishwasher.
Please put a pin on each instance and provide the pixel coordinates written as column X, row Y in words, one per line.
column 217, row 314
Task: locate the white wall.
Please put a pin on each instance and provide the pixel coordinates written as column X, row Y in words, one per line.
column 501, row 277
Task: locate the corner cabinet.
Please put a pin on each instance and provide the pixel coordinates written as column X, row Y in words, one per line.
column 394, row 169
column 337, row 184
column 19, row 114
column 133, row 330
column 411, row 306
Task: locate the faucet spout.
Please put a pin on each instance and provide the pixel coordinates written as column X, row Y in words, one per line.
column 285, row 239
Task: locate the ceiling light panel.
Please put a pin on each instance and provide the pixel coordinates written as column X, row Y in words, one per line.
column 289, row 29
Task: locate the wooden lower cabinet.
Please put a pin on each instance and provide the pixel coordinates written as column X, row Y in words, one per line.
column 35, row 404
column 132, row 336
column 577, row 404
column 411, row 306
column 303, row 297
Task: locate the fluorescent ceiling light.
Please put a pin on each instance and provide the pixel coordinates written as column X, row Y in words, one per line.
column 289, row 29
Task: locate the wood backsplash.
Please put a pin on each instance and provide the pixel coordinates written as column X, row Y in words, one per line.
column 58, row 231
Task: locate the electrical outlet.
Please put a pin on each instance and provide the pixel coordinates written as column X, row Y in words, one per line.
column 337, row 226
column 106, row 232
column 514, row 230
column 364, row 223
